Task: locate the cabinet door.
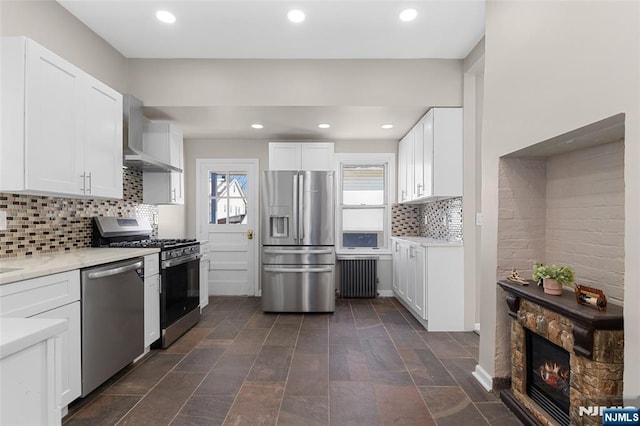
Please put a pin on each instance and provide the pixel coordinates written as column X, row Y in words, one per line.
column 284, row 156
column 70, row 340
column 54, row 148
column 447, row 152
column 402, row 170
column 411, row 275
column 418, row 160
column 176, row 146
column 427, row 154
column 420, row 263
column 204, row 281
column 396, row 267
column 151, row 309
column 316, row 156
column 404, row 275
column 177, row 188
column 103, row 140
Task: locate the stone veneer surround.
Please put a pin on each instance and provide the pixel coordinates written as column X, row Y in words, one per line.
column 596, row 375
column 38, row 224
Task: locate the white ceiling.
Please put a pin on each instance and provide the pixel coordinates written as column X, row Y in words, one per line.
column 260, row 29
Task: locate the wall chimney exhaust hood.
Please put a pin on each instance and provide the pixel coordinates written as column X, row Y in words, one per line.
column 134, row 155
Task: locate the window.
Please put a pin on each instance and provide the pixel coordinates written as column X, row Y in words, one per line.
column 364, row 209
column 227, row 200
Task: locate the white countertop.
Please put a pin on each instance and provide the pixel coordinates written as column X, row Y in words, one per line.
column 17, row 334
column 429, row 242
column 24, row 268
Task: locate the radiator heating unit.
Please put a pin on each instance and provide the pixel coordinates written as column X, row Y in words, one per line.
column 358, row 277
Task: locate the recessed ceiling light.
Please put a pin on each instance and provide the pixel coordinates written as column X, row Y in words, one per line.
column 295, row 15
column 257, row 126
column 324, row 125
column 408, row 15
column 165, row 16
column 387, row 126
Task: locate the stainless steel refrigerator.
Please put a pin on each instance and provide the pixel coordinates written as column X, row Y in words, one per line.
column 298, row 253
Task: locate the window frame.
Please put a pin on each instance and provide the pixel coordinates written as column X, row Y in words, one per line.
column 359, row 159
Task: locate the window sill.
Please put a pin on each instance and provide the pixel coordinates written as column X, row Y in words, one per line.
column 356, row 253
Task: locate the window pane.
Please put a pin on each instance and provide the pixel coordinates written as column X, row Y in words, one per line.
column 363, row 219
column 218, row 184
column 362, row 239
column 228, row 203
column 363, row 184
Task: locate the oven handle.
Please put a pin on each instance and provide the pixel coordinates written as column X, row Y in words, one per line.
column 272, row 269
column 115, row 271
column 180, row 260
column 311, row 251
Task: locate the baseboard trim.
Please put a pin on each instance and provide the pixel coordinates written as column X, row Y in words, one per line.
column 483, row 378
column 385, row 293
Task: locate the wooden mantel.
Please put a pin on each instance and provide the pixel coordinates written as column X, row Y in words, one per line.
column 585, row 319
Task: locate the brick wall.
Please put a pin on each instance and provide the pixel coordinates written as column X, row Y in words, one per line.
column 521, row 215
column 585, row 215
column 567, row 209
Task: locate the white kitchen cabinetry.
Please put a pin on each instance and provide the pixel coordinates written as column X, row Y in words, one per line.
column 151, row 299
column 30, row 360
column 430, row 283
column 301, row 156
column 61, row 128
column 163, row 141
column 430, row 157
column 54, row 297
column 205, row 262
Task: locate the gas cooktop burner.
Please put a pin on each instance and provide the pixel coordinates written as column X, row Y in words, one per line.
column 161, row 243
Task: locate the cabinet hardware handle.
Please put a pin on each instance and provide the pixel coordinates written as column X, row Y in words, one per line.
column 173, row 197
column 90, row 183
column 83, row 177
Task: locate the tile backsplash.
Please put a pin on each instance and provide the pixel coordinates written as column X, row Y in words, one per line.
column 441, row 219
column 37, row 224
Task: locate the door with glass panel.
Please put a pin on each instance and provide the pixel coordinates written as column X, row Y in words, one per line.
column 226, row 216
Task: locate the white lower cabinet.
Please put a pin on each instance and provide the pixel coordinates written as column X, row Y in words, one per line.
column 70, row 343
column 53, row 297
column 151, row 299
column 429, row 281
column 204, row 280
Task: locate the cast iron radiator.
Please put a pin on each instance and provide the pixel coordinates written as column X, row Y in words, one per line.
column 358, row 277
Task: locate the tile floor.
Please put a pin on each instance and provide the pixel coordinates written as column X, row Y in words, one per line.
column 369, row 363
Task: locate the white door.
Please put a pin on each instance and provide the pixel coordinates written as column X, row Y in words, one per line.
column 227, row 216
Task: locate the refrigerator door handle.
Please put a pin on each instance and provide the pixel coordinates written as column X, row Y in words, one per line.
column 291, row 270
column 301, row 206
column 296, row 218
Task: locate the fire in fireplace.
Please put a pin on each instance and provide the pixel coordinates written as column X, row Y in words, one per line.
column 548, row 376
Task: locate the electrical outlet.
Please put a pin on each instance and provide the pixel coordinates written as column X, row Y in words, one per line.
column 478, row 218
column 3, row 220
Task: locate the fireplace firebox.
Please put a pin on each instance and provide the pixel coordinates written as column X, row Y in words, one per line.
column 548, row 376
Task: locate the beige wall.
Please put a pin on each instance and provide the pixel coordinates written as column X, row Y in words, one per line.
column 52, row 26
column 296, row 82
column 551, row 67
column 202, row 148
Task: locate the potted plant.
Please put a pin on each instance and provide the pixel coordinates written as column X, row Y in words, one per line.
column 553, row 277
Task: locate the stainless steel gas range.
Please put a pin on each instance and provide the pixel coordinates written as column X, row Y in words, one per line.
column 179, row 271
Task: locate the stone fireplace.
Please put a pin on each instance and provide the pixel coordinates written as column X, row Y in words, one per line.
column 586, row 346
column 562, row 201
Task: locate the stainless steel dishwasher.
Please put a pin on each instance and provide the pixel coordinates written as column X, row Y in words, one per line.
column 112, row 319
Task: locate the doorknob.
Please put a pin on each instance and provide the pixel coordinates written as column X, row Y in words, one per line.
column 250, row 234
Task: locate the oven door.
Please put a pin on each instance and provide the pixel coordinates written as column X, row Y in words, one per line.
column 180, row 282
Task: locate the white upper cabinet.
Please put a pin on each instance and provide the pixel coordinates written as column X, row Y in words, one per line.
column 163, row 141
column 301, row 156
column 61, row 128
column 430, row 157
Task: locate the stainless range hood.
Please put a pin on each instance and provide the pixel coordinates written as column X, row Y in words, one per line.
column 133, row 150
